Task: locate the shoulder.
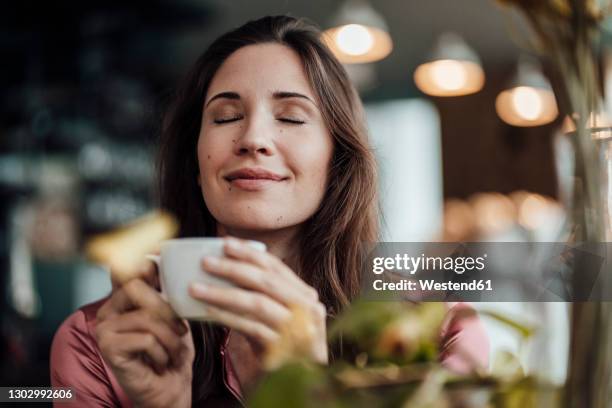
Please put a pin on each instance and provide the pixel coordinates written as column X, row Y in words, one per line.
column 76, row 332
column 465, row 342
column 76, row 361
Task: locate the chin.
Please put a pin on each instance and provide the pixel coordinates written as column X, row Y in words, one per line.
column 255, row 225
column 254, row 219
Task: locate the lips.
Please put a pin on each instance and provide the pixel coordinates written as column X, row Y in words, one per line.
column 253, row 179
column 253, row 174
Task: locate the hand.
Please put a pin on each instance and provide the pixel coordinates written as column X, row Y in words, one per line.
column 148, row 347
column 262, row 303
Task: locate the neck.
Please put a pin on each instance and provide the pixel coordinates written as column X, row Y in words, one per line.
column 281, row 242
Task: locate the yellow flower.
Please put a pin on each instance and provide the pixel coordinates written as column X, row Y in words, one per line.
column 124, row 249
column 400, row 338
column 295, row 342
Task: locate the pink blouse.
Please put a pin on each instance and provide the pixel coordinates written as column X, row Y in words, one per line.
column 76, row 361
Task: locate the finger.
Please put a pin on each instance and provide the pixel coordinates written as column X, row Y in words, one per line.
column 119, row 347
column 142, row 321
column 147, row 272
column 242, row 302
column 110, row 307
column 251, row 277
column 239, row 249
column 118, row 303
column 136, row 294
column 148, row 298
column 253, row 329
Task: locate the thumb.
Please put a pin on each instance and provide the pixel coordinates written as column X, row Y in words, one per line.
column 147, row 271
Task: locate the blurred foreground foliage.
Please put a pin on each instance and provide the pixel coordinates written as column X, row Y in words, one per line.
column 396, row 364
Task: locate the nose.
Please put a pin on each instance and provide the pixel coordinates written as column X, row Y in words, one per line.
column 255, row 138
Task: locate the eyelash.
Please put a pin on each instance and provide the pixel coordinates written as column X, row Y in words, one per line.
column 228, row 120
column 292, row 121
column 235, row 118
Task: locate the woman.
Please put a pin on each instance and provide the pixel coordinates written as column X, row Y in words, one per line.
column 266, row 140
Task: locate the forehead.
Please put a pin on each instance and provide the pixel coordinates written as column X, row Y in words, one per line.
column 264, row 68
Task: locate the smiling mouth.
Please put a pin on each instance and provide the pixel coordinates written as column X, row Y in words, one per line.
column 253, row 184
column 247, row 177
column 253, row 179
column 253, row 173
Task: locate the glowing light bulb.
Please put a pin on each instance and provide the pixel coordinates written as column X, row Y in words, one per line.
column 449, row 75
column 527, row 103
column 354, row 39
column 533, row 211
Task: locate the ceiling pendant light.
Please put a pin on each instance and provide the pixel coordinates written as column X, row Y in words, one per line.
column 359, row 34
column 453, row 69
column 529, row 100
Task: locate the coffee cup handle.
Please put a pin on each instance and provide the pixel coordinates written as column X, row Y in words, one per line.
column 156, row 259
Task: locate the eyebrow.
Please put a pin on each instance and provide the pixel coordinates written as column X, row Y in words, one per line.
column 224, row 95
column 284, row 95
column 275, row 95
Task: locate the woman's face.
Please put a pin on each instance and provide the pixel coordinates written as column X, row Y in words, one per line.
column 264, row 150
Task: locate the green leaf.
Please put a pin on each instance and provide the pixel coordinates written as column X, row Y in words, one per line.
column 294, row 385
column 524, row 330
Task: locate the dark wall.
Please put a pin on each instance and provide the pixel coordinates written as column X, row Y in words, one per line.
column 482, row 153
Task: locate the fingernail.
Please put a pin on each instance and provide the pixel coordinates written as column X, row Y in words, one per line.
column 198, row 288
column 232, row 243
column 210, row 261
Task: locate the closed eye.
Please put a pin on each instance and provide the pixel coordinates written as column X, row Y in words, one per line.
column 292, row 121
column 227, row 120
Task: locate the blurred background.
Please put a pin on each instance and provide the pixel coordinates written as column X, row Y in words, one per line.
column 84, row 85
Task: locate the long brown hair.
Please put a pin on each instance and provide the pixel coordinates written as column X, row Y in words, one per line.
column 331, row 243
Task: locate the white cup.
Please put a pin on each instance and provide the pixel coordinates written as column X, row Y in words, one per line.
column 179, row 264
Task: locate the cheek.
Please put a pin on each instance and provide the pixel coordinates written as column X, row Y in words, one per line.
column 206, row 155
column 312, row 161
column 211, row 154
column 322, row 156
